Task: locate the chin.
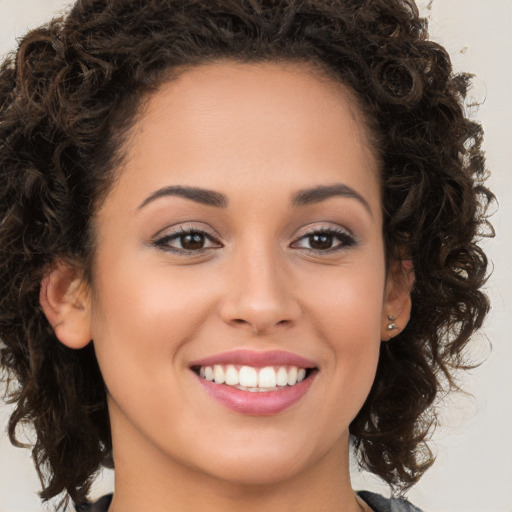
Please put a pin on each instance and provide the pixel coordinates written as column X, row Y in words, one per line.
column 258, row 473
column 264, row 465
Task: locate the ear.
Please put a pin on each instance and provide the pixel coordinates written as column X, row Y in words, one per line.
column 65, row 302
column 397, row 299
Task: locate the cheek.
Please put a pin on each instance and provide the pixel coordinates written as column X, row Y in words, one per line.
column 135, row 297
column 348, row 304
column 141, row 320
column 347, row 313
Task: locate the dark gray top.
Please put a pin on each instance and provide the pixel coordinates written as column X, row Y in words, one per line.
column 377, row 502
column 380, row 504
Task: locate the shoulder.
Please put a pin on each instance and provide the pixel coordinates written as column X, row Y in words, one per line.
column 376, row 501
column 381, row 504
column 98, row 506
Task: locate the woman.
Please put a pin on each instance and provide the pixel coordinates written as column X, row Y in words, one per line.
column 236, row 236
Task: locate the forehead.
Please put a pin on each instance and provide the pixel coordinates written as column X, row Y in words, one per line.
column 224, row 122
column 264, row 91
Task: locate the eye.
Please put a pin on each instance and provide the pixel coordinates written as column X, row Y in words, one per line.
column 325, row 240
column 187, row 241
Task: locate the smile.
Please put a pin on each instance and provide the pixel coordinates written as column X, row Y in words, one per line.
column 255, row 383
column 253, row 379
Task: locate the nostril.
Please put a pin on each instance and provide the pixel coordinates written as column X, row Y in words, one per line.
column 241, row 321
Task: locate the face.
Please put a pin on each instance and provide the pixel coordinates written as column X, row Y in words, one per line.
column 244, row 232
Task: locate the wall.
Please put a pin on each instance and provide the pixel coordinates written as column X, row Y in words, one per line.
column 473, row 472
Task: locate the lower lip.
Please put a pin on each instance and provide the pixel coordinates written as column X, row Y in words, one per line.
column 264, row 403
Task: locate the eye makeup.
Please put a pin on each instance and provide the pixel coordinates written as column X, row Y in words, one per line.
column 189, row 240
column 325, row 239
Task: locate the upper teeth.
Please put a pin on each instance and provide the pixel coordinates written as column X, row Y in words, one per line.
column 253, row 378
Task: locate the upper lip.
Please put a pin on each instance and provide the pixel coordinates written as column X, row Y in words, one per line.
column 256, row 358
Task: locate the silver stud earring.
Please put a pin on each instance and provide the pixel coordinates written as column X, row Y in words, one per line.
column 391, row 326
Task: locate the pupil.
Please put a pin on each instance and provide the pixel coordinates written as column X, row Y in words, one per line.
column 192, row 241
column 320, row 241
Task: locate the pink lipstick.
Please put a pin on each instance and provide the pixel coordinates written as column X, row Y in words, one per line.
column 255, row 358
column 255, row 382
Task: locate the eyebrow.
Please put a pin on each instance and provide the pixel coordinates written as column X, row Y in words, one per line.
column 302, row 197
column 200, row 195
column 324, row 192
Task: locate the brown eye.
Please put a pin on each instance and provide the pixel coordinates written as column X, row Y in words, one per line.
column 183, row 242
column 192, row 241
column 321, row 241
column 325, row 240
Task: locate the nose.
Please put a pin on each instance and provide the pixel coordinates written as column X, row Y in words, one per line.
column 259, row 293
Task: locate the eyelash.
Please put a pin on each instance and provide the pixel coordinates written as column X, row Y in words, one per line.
column 163, row 242
column 344, row 237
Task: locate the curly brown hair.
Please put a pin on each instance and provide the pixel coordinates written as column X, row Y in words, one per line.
column 74, row 88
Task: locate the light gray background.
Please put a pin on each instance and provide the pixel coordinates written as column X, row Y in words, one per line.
column 473, row 471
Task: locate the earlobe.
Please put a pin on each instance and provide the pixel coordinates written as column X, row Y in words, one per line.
column 64, row 299
column 397, row 301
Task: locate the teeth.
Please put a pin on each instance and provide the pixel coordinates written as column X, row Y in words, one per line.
column 267, row 377
column 218, row 374
column 254, row 379
column 248, row 377
column 282, row 376
column 292, row 376
column 231, row 375
column 208, row 373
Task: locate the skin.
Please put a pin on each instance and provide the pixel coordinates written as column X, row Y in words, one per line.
column 257, row 134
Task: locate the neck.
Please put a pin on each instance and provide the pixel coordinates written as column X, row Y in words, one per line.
column 149, row 480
